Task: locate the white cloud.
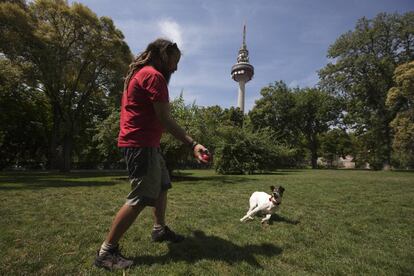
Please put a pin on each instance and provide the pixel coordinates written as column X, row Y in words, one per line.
column 171, row 30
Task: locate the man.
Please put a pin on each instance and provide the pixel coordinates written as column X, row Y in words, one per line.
column 145, row 112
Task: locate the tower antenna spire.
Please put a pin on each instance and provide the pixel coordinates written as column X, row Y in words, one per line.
column 244, row 36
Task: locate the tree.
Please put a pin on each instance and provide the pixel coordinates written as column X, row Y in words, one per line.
column 296, row 116
column 208, row 122
column 276, row 110
column 233, row 116
column 24, row 119
column 203, row 123
column 400, row 99
column 316, row 112
column 362, row 73
column 335, row 143
column 106, row 141
column 75, row 58
column 175, row 152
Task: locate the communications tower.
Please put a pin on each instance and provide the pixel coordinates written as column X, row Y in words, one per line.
column 242, row 71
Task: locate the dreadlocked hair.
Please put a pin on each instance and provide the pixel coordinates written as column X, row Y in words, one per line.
column 160, row 49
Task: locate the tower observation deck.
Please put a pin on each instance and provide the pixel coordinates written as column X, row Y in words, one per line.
column 242, row 71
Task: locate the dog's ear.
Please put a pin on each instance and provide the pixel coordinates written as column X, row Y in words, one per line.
column 272, row 188
column 281, row 190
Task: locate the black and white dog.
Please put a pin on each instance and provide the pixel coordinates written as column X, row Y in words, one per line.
column 262, row 203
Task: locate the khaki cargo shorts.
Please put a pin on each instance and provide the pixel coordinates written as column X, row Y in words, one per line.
column 148, row 175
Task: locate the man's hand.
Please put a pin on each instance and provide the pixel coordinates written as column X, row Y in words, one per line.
column 201, row 154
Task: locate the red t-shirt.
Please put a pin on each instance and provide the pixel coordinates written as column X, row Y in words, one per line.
column 139, row 125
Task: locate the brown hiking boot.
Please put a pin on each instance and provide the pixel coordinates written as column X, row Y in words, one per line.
column 112, row 259
column 166, row 234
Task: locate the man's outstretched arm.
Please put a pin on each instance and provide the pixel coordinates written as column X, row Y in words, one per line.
column 163, row 112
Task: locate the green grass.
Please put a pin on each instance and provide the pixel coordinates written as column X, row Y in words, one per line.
column 331, row 222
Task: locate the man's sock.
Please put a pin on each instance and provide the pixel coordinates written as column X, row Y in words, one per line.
column 106, row 247
column 158, row 227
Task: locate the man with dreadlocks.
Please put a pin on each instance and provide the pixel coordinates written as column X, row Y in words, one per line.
column 145, row 112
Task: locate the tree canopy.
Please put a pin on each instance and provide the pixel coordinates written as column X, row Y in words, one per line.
column 400, row 99
column 296, row 116
column 361, row 71
column 75, row 58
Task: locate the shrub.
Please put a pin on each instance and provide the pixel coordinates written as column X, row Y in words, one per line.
column 242, row 151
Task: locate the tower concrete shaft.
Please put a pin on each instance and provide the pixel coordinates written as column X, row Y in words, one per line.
column 242, row 71
column 240, row 100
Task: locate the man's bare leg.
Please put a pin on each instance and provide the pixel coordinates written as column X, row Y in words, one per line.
column 160, row 209
column 122, row 221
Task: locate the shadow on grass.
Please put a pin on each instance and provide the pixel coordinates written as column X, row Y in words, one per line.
column 56, row 174
column 202, row 247
column 41, row 181
column 189, row 178
column 279, row 218
column 279, row 172
column 231, row 178
column 228, row 179
column 194, row 179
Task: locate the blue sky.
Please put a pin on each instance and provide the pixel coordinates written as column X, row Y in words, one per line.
column 287, row 40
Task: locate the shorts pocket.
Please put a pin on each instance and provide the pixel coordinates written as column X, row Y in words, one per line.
column 137, row 162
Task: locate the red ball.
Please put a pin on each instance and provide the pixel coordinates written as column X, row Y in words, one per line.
column 205, row 157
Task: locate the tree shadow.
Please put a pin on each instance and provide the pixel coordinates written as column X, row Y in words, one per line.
column 199, row 246
column 57, row 174
column 401, row 170
column 279, row 218
column 191, row 179
column 44, row 180
column 278, row 172
column 228, row 179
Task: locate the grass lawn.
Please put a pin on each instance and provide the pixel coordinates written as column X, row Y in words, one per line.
column 331, row 222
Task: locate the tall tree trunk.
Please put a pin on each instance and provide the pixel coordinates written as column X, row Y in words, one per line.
column 314, row 152
column 53, row 158
column 388, row 141
column 67, row 152
column 314, row 160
